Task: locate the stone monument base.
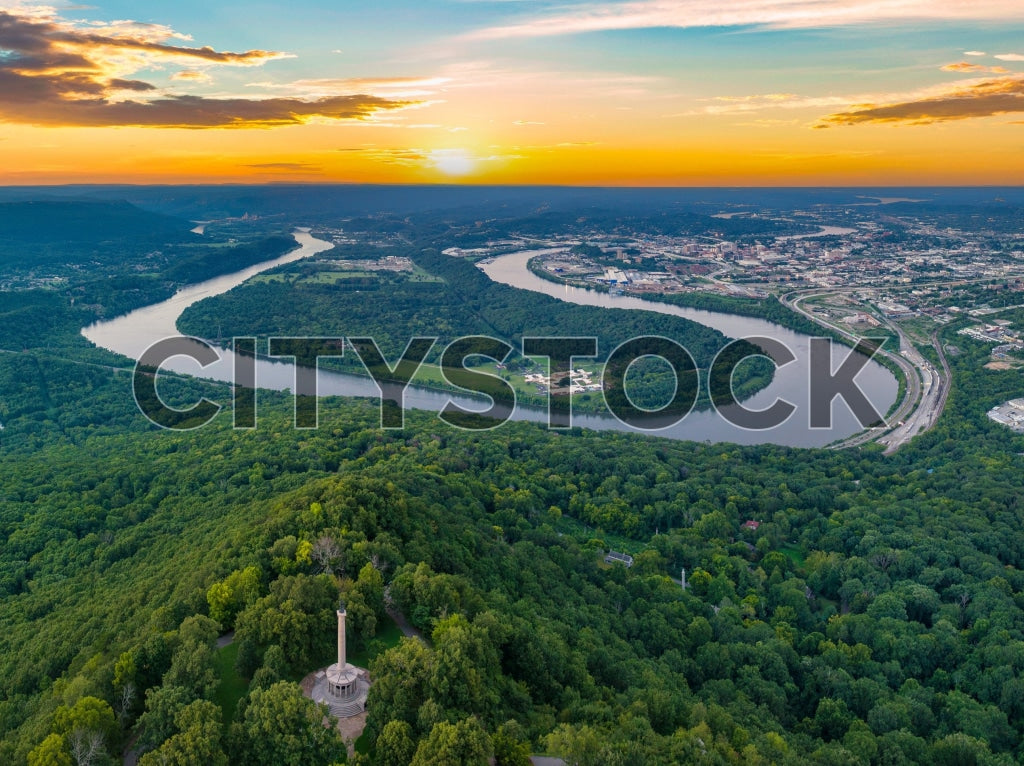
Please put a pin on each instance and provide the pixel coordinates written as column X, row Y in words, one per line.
column 343, row 691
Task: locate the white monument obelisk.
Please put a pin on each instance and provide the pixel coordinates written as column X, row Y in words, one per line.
column 342, row 677
column 341, row 637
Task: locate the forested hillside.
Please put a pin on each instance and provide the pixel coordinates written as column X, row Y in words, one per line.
column 66, row 264
column 875, row 615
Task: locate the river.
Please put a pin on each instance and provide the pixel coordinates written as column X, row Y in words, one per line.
column 132, row 333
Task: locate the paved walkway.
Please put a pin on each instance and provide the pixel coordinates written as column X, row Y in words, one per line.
column 351, row 726
column 403, row 624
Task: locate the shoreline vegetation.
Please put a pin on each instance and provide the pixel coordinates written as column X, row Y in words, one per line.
column 770, row 309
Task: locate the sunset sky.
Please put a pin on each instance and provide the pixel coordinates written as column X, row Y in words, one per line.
column 646, row 92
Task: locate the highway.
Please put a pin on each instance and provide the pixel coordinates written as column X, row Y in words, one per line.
column 926, row 389
column 934, row 390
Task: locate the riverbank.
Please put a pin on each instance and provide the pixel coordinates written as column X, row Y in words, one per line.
column 771, row 309
column 133, row 333
column 791, row 380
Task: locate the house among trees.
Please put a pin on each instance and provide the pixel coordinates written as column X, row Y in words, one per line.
column 615, row 557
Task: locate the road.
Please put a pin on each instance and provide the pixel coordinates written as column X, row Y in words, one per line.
column 934, row 390
column 932, row 402
column 926, row 390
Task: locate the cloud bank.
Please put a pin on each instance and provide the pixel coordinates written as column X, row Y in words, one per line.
column 57, row 73
column 983, row 98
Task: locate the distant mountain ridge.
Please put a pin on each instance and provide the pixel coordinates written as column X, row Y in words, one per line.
column 45, row 232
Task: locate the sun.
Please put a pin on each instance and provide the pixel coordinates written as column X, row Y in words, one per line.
column 453, row 162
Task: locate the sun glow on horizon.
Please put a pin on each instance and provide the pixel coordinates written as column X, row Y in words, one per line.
column 189, row 99
column 453, row 162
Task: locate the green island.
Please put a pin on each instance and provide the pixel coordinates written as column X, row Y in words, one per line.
column 417, row 291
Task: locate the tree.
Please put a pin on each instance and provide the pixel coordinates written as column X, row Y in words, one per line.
column 192, row 663
column 578, row 746
column 220, row 598
column 125, row 689
column 282, row 727
column 464, row 743
column 466, row 670
column 274, row 669
column 888, row 605
column 87, row 727
column 52, row 751
column 326, row 554
column 400, row 684
column 198, row 740
column 125, row 702
column 959, row 750
column 832, row 718
column 297, row 615
column 365, row 601
column 124, row 671
column 511, row 747
column 395, row 745
column 162, row 706
column 87, row 746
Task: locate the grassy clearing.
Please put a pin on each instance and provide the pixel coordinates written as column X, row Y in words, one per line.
column 794, row 553
column 421, row 275
column 388, row 636
column 333, row 277
column 271, row 278
column 584, row 532
column 232, row 686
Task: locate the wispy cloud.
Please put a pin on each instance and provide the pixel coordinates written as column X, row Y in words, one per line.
column 191, row 75
column 778, row 14
column 765, row 98
column 286, row 167
column 974, row 53
column 410, row 157
column 58, row 72
column 1009, row 57
column 387, row 87
column 982, row 98
column 726, row 105
column 966, row 67
column 500, row 78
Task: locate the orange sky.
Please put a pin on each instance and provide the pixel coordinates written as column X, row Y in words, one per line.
column 485, row 100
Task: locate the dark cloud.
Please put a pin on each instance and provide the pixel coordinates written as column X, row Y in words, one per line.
column 54, row 73
column 28, row 35
column 194, row 111
column 1004, row 95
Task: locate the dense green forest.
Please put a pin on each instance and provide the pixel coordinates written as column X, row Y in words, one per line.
column 66, row 264
column 874, row 616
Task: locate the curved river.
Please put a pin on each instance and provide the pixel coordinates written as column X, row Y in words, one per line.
column 131, row 334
